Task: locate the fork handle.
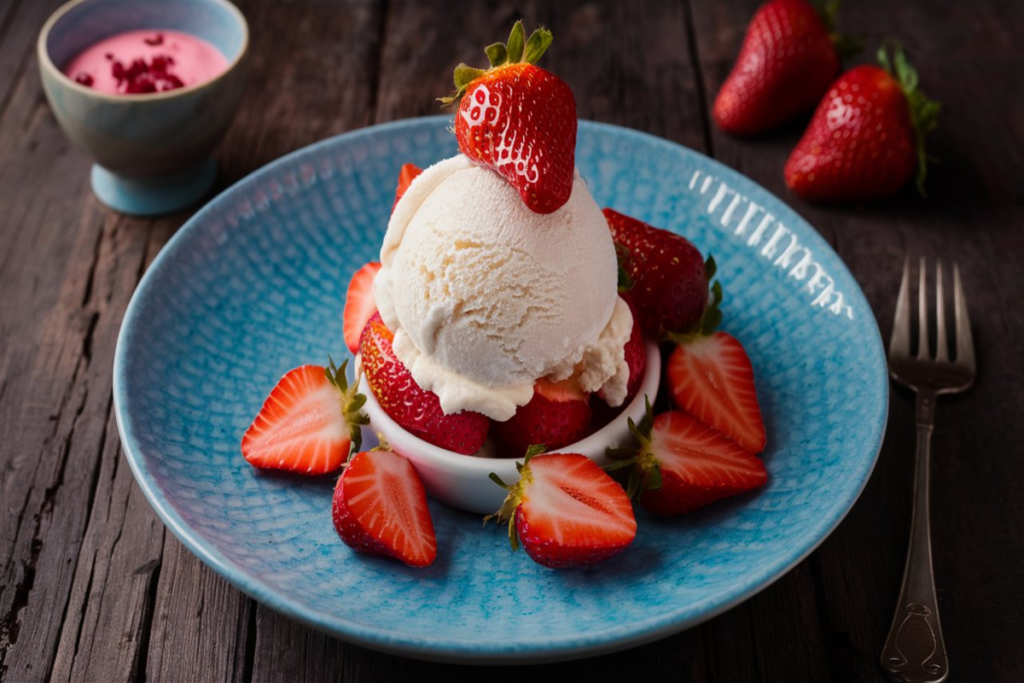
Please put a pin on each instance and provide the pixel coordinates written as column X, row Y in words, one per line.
column 914, row 652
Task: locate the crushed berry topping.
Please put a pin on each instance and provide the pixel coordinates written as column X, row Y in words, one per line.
column 83, row 79
column 157, row 39
column 142, row 77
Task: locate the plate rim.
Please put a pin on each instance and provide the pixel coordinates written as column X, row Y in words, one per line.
column 438, row 649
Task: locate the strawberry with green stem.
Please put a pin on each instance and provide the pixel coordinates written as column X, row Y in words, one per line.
column 565, row 511
column 867, row 137
column 664, row 273
column 519, row 119
column 681, row 464
column 710, row 377
column 309, row 422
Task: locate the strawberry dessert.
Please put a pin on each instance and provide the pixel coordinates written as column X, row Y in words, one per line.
column 143, row 62
column 510, row 316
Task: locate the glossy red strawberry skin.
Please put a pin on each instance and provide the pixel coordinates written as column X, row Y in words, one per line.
column 418, row 411
column 670, row 287
column 712, row 379
column 359, row 304
column 521, row 120
column 380, row 508
column 573, row 514
column 301, row 427
column 860, row 143
column 698, row 466
column 636, row 353
column 557, row 415
column 636, row 359
column 406, row 175
column 785, row 65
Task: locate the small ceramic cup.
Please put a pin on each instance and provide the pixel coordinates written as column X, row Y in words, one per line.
column 463, row 481
column 152, row 151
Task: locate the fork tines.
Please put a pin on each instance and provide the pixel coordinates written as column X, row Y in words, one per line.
column 899, row 344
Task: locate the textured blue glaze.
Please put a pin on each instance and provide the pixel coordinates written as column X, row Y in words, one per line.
column 253, row 285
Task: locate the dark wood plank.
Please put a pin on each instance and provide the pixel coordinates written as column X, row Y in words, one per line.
column 974, row 204
column 20, row 21
column 73, row 267
column 85, row 566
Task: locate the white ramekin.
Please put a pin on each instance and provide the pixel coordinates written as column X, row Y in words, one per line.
column 462, row 481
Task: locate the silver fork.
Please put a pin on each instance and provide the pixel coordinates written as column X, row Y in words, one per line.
column 914, row 651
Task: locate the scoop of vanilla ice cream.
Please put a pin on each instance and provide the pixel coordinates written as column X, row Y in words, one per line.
column 485, row 296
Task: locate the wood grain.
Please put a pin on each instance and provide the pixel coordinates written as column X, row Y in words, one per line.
column 93, row 588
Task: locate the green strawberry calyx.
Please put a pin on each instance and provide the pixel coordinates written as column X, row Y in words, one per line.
column 507, row 512
column 518, row 50
column 846, row 46
column 924, row 113
column 712, row 316
column 352, row 403
column 645, row 468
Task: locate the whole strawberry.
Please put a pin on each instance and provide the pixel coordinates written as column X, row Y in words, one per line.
column 786, row 63
column 557, row 415
column 867, row 136
column 417, row 410
column 669, row 281
column 519, row 119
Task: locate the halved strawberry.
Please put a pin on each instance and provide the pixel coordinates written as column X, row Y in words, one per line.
column 557, row 415
column 380, row 508
column 359, row 304
column 405, row 178
column 712, row 379
column 682, row 464
column 308, row 423
column 415, row 409
column 566, row 511
column 519, row 119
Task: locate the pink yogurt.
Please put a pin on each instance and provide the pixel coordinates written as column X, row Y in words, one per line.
column 140, row 62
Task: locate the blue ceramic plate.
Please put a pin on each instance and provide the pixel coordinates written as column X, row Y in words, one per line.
column 254, row 285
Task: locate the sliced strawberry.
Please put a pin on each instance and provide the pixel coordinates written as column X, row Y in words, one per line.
column 668, row 274
column 308, row 423
column 380, row 508
column 359, row 304
column 557, row 415
column 681, row 464
column 566, row 511
column 519, row 119
column 415, row 409
column 405, row 178
column 712, row 379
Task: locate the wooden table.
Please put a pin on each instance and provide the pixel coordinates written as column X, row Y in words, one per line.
column 93, row 587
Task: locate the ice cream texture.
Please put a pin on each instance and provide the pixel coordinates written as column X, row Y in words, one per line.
column 485, row 296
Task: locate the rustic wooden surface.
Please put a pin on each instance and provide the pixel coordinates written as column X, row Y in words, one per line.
column 93, row 588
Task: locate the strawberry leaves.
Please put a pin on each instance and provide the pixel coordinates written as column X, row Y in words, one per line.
column 924, row 113
column 518, row 50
